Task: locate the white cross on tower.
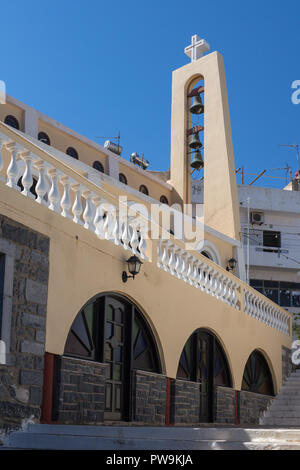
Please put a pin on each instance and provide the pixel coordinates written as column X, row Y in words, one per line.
column 197, row 48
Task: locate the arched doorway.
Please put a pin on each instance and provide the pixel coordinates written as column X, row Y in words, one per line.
column 203, row 360
column 110, row 329
column 257, row 376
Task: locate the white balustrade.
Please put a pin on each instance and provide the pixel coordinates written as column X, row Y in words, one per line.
column 262, row 311
column 103, row 219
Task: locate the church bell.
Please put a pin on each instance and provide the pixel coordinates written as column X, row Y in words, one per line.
column 195, row 142
column 197, row 106
column 197, row 161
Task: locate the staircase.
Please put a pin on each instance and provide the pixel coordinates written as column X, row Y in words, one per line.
column 57, row 437
column 285, row 408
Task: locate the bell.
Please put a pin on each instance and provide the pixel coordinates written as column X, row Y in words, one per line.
column 197, row 162
column 195, row 142
column 197, row 106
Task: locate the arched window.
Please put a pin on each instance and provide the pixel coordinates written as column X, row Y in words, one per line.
column 122, row 178
column 72, row 152
column 164, row 200
column 203, row 360
column 12, row 121
column 43, row 137
column 98, row 166
column 143, row 189
column 202, row 356
column 207, row 255
column 257, row 377
column 112, row 330
column 111, row 314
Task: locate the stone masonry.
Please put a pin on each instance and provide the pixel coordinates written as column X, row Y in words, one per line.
column 149, row 398
column 21, row 378
column 79, row 393
column 185, row 402
column 224, row 405
column 253, row 406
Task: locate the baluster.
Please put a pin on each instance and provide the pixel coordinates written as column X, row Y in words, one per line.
column 201, row 276
column 143, row 244
column 178, row 265
column 165, row 257
column 77, row 206
column 27, row 179
column 109, row 222
column 99, row 217
column 172, row 260
column 183, row 267
column 88, row 211
column 159, row 253
column 116, row 230
column 4, row 140
column 41, row 187
column 12, row 170
column 54, row 195
column 125, row 233
column 190, row 270
column 134, row 241
column 66, row 200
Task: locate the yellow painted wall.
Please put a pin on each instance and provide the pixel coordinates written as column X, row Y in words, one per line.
column 62, row 141
column 82, row 266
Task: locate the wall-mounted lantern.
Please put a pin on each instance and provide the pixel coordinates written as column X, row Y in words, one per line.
column 134, row 266
column 231, row 264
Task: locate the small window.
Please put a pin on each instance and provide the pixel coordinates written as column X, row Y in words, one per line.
column 72, row 152
column 164, row 200
column 12, row 121
column 122, row 178
column 98, row 166
column 207, row 255
column 271, row 239
column 143, row 189
column 43, row 137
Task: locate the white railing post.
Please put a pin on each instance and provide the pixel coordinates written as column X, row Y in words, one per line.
column 12, row 170
column 27, row 179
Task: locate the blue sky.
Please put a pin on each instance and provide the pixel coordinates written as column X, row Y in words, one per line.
column 101, row 67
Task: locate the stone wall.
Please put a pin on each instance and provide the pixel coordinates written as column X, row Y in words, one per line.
column 252, row 406
column 286, row 363
column 185, row 402
column 224, row 405
column 21, row 378
column 149, row 398
column 78, row 391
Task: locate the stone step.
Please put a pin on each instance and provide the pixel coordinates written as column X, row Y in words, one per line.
column 279, row 407
column 71, row 442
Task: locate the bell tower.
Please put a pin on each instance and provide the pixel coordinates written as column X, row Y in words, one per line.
column 221, row 210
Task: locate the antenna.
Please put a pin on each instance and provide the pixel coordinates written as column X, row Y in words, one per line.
column 295, row 146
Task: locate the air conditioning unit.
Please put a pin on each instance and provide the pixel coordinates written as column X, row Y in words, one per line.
column 257, row 218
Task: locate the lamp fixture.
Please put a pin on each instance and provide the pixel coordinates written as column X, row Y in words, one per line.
column 231, row 264
column 134, row 266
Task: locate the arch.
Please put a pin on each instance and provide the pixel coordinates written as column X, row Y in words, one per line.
column 212, row 252
column 43, row 137
column 122, row 178
column 110, row 329
column 258, row 376
column 98, row 166
column 72, row 152
column 12, row 121
column 144, row 190
column 220, row 357
column 81, row 326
